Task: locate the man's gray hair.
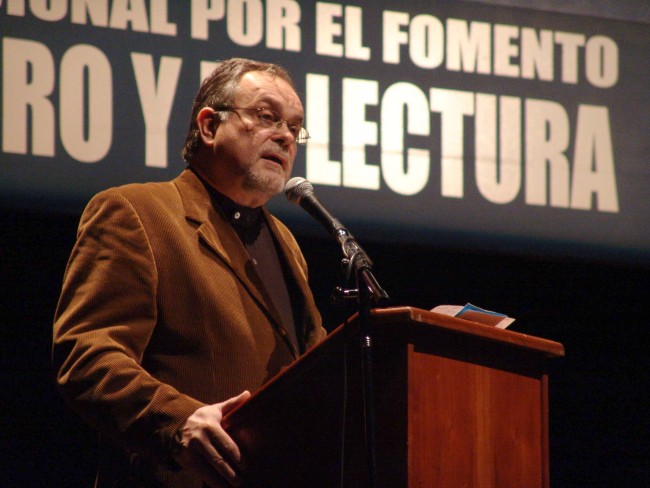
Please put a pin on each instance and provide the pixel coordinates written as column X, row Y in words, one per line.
column 219, row 88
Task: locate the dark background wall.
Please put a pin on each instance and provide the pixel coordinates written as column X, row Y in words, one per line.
column 596, row 306
column 598, row 393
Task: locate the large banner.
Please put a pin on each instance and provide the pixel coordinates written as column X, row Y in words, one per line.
column 443, row 122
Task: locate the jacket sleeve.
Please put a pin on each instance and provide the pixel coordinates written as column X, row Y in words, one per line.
column 104, row 320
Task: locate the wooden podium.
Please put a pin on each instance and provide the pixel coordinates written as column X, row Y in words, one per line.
column 457, row 404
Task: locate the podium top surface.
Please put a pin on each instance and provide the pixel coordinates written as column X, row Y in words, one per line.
column 425, row 318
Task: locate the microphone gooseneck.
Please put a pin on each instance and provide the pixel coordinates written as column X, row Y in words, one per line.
column 301, row 192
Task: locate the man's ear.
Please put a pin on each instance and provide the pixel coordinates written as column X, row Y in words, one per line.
column 207, row 121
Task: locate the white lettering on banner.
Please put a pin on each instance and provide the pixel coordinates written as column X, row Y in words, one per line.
column 393, row 35
column 202, row 13
column 85, row 87
column 96, row 11
column 569, row 43
column 453, row 106
column 283, row 25
column 15, row 7
column 124, row 14
column 319, row 168
column 547, row 139
column 455, row 44
column 245, row 22
column 50, row 10
column 159, row 22
column 505, row 50
column 327, row 29
column 549, row 177
column 469, row 47
column 359, row 133
column 528, row 150
column 498, row 178
column 536, row 54
column 593, row 159
column 411, row 178
column 78, row 62
column 601, row 62
column 27, row 83
column 354, row 48
column 156, row 99
column 499, row 49
column 425, row 39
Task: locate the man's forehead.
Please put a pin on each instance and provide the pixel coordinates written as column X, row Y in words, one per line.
column 261, row 85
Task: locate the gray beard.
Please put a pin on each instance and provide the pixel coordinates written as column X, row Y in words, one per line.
column 270, row 185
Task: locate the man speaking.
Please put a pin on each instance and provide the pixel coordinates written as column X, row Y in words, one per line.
column 180, row 298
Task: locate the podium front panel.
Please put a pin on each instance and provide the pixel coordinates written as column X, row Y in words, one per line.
column 456, row 404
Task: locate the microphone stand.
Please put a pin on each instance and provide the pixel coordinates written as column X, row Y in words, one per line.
column 368, row 293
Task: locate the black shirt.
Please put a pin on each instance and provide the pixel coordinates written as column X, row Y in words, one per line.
column 251, row 227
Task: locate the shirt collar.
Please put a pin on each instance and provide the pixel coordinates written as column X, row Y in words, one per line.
column 238, row 215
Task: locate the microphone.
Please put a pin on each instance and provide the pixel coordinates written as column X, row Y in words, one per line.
column 301, row 192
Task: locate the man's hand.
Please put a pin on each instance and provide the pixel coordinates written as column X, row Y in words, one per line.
column 206, row 448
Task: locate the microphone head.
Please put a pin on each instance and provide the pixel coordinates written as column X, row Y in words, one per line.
column 296, row 188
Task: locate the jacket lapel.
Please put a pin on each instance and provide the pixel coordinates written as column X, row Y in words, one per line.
column 217, row 234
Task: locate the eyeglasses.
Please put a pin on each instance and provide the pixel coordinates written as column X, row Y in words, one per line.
column 268, row 118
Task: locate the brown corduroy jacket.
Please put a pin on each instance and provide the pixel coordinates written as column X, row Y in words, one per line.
column 162, row 312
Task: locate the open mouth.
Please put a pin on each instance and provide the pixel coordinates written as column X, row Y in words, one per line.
column 275, row 158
